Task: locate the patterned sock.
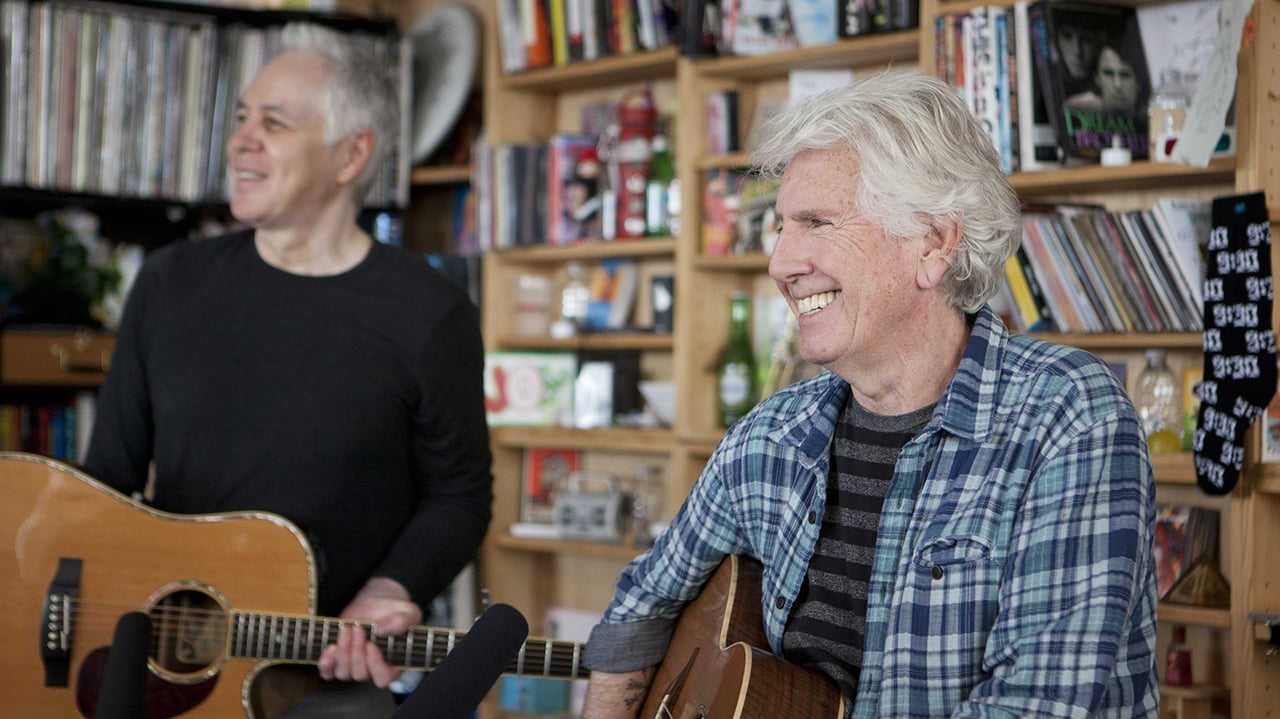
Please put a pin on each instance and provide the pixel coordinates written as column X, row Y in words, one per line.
column 1239, row 346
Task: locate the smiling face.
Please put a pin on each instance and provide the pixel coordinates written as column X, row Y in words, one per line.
column 854, row 289
column 283, row 174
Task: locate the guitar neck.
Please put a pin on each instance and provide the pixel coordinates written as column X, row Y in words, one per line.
column 300, row 639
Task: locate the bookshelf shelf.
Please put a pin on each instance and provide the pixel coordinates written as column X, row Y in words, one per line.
column 1125, row 341
column 567, row 547
column 1195, row 691
column 889, row 49
column 440, row 175
column 655, row 441
column 593, row 341
column 1132, row 177
column 727, row 161
column 653, row 247
column 733, row 263
column 1196, row 616
column 616, row 70
column 1177, row 468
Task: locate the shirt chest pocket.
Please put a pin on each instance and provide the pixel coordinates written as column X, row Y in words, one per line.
column 964, row 564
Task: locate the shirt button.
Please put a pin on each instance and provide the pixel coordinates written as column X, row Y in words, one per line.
column 813, row 517
column 780, row 602
column 937, row 572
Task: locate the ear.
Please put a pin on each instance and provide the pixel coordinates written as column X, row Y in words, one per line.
column 938, row 250
column 357, row 151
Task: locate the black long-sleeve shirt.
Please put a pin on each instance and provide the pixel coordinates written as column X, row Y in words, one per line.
column 351, row 404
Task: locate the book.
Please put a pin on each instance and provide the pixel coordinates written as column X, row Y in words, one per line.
column 1093, row 72
column 613, row 293
column 985, row 102
column 535, row 27
column 544, row 470
column 1033, row 313
column 763, row 26
column 721, row 110
column 511, row 42
column 1185, row 224
column 1270, row 431
column 573, row 197
column 719, row 210
column 1037, row 143
column 855, row 17
column 1169, row 545
column 814, row 21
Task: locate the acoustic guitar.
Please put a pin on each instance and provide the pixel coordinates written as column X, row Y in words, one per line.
column 230, row 595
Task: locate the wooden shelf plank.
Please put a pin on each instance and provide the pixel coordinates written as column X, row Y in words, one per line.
column 898, row 49
column 440, row 175
column 545, row 254
column 1134, row 176
column 591, row 341
column 727, row 161
column 568, row 547
column 615, row 70
column 1174, row 468
column 1125, row 341
column 1195, row 691
column 1196, row 616
column 616, row 439
column 756, row 262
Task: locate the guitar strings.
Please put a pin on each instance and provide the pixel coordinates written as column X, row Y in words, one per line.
column 302, row 638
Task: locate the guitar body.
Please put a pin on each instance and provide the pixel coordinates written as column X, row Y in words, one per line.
column 130, row 557
column 718, row 665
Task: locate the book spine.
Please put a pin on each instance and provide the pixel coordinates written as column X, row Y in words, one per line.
column 1042, row 52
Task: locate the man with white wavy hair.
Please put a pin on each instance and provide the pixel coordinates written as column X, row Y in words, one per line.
column 952, row 520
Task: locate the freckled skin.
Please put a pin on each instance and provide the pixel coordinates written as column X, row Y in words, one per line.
column 888, row 313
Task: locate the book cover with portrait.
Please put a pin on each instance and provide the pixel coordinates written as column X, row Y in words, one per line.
column 1093, row 70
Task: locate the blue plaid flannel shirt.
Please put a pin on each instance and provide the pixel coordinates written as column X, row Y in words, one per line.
column 1013, row 574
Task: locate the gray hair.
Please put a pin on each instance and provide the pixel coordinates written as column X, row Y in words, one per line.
column 360, row 92
column 923, row 161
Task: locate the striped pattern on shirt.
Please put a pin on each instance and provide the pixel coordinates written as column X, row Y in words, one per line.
column 828, row 623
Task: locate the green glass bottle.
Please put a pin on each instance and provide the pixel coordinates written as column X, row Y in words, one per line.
column 737, row 386
column 657, row 194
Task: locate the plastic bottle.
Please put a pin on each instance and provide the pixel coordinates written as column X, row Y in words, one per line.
column 573, row 303
column 657, row 192
column 1167, row 111
column 737, row 385
column 1157, row 399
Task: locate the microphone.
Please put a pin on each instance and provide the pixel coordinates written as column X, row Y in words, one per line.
column 458, row 684
column 124, row 681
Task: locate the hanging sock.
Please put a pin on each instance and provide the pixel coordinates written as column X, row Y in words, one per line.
column 1239, row 346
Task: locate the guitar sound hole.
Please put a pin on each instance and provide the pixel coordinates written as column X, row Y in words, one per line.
column 189, row 633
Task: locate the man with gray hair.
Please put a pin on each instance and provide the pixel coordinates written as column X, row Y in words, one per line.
column 951, row 520
column 301, row 368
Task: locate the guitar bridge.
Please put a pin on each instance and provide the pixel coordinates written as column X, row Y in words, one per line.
column 57, row 622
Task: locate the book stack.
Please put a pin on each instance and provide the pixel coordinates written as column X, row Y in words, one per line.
column 1082, row 268
column 131, row 101
column 546, row 33
column 978, row 52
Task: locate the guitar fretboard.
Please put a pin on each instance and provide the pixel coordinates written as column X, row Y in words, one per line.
column 302, row 639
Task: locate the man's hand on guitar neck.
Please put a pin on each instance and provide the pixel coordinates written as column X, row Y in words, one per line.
column 385, row 602
column 617, row 696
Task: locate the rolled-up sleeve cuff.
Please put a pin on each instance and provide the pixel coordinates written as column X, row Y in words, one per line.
column 627, row 646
